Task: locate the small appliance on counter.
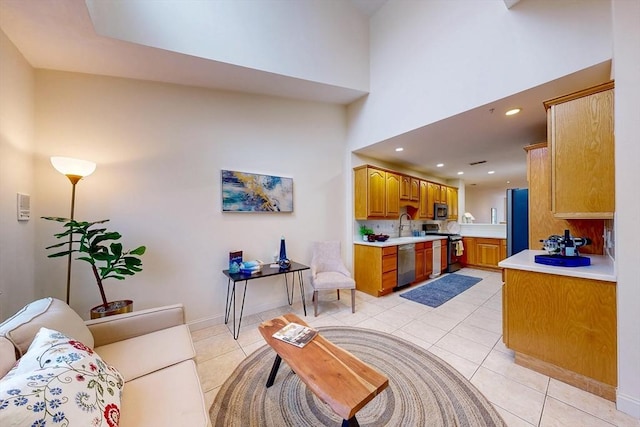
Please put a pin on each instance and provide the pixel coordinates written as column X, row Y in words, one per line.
column 563, row 251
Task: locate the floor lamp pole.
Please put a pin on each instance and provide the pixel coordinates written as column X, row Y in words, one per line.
column 74, row 180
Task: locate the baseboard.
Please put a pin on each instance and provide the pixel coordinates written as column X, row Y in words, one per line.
column 207, row 322
column 577, row 380
column 628, row 404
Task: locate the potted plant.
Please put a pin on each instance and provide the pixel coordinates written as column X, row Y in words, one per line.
column 99, row 247
column 365, row 232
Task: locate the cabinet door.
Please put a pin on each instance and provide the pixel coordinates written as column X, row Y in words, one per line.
column 423, row 211
column 415, row 190
column 470, row 250
column 376, row 193
column 503, row 249
column 443, row 194
column 487, row 252
column 420, row 262
column 405, row 187
column 443, row 256
column 582, row 157
column 433, row 196
column 452, row 203
column 393, row 195
column 428, row 259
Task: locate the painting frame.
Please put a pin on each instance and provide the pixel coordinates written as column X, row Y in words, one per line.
column 250, row 192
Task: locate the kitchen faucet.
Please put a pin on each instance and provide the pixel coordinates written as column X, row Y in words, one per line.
column 400, row 226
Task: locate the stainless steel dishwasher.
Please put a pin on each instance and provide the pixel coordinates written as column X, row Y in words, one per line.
column 406, row 264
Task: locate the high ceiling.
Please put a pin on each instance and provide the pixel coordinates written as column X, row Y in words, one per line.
column 485, row 134
column 59, row 35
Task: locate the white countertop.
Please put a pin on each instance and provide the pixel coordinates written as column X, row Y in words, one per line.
column 601, row 267
column 394, row 241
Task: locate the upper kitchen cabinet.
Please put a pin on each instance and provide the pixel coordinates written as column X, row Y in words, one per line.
column 452, row 203
column 581, row 145
column 377, row 193
column 409, row 189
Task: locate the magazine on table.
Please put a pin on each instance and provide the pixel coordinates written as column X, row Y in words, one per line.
column 296, row 334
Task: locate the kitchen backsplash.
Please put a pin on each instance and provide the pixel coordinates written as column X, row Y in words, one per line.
column 390, row 227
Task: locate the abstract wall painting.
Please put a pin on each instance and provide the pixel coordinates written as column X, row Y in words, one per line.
column 250, row 192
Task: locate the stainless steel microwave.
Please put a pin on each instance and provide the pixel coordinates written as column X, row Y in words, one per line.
column 440, row 211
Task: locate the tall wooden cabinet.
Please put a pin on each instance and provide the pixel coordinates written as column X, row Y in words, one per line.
column 581, row 142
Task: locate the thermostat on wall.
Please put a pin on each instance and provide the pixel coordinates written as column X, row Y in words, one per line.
column 24, row 207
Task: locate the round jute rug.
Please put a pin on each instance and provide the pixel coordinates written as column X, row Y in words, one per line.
column 423, row 389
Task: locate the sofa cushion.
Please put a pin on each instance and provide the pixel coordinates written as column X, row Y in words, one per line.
column 61, row 381
column 51, row 313
column 7, row 356
column 148, row 353
column 169, row 397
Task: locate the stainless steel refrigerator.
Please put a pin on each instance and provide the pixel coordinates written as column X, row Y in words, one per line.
column 517, row 220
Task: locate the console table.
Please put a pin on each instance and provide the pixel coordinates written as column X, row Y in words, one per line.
column 295, row 269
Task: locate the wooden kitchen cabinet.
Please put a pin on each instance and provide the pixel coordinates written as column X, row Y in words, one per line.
column 542, row 222
column 376, row 193
column 564, row 327
column 443, row 255
column 581, row 141
column 375, row 269
column 452, row 203
column 424, row 261
column 483, row 252
column 409, row 188
column 425, row 208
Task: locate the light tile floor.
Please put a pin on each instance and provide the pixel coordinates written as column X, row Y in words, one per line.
column 466, row 332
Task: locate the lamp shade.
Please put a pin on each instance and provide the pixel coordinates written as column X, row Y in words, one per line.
column 70, row 166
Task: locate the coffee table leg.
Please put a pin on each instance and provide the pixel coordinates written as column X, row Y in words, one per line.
column 351, row 422
column 274, row 371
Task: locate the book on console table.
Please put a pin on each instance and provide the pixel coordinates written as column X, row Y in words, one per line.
column 296, row 334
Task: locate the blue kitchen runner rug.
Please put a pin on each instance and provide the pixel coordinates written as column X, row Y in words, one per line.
column 436, row 293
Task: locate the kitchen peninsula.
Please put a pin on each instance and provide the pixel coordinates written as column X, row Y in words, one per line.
column 561, row 321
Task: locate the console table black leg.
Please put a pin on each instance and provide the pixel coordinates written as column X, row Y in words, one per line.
column 301, row 282
column 351, row 422
column 274, row 370
column 230, row 297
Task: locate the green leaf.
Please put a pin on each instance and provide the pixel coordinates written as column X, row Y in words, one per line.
column 116, row 248
column 140, row 250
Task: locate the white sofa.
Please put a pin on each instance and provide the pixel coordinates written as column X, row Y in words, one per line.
column 151, row 349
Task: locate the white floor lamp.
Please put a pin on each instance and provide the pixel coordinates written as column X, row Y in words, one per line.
column 75, row 170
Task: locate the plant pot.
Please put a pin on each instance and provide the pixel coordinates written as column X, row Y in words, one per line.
column 113, row 307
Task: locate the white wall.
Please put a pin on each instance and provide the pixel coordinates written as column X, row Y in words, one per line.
column 282, row 37
column 626, row 15
column 479, row 201
column 434, row 59
column 159, row 150
column 16, row 175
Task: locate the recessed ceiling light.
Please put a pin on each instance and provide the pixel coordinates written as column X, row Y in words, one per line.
column 491, row 172
column 513, row 111
column 439, row 165
column 399, row 149
column 508, row 182
column 460, row 173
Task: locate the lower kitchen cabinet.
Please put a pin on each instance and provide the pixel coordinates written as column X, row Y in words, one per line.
column 375, row 269
column 564, row 327
column 424, row 260
column 484, row 252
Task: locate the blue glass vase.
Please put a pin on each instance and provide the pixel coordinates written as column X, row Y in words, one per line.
column 283, row 261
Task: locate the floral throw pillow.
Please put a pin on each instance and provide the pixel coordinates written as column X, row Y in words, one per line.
column 60, row 382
